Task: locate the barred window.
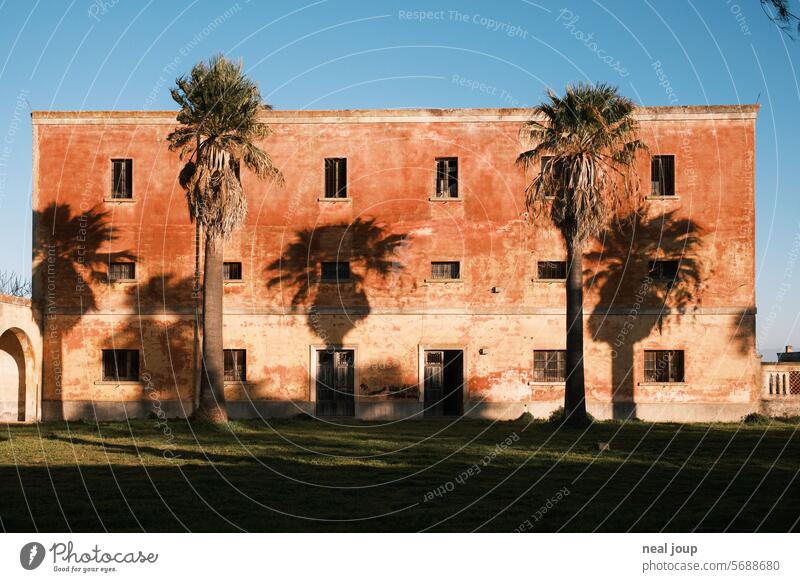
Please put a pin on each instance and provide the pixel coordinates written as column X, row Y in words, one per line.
column 122, row 271
column 445, row 270
column 662, row 175
column 447, row 177
column 549, row 365
column 122, row 178
column 235, row 365
column 663, row 365
column 551, row 269
column 664, row 270
column 232, row 271
column 335, row 177
column 120, row 365
column 335, row 270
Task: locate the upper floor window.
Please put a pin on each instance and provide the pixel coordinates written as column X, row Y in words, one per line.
column 445, row 270
column 662, row 176
column 335, row 270
column 122, row 271
column 120, row 365
column 232, row 271
column 663, row 365
column 335, row 177
column 447, row 177
column 664, row 270
column 545, row 160
column 552, row 270
column 549, row 365
column 235, row 365
column 122, row 178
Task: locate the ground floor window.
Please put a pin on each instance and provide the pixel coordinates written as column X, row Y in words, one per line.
column 235, row 365
column 232, row 271
column 549, row 365
column 663, row 365
column 120, row 365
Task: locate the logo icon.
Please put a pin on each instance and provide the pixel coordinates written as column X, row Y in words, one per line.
column 31, row 555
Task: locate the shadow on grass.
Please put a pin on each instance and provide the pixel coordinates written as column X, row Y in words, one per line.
column 284, row 478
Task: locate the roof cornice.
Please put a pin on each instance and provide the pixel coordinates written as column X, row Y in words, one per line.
column 517, row 115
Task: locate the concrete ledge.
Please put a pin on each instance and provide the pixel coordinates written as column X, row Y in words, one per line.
column 413, row 410
column 504, row 410
column 389, row 410
column 672, row 411
column 244, row 409
column 113, row 411
column 781, row 407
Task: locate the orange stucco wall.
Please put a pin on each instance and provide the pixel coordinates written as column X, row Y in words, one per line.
column 390, row 231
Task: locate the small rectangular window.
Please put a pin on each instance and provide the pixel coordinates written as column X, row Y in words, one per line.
column 445, row 270
column 549, row 365
column 235, row 365
column 447, row 177
column 122, row 178
column 335, row 270
column 543, row 163
column 335, row 177
column 663, row 365
column 553, row 270
column 665, row 270
column 662, row 176
column 122, row 271
column 120, row 365
column 232, row 271
column 545, row 160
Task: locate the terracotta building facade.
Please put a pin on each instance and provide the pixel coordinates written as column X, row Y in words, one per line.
column 396, row 273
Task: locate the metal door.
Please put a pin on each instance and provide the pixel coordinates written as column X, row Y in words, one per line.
column 335, row 383
column 434, row 383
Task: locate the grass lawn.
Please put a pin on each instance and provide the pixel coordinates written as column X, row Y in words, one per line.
column 305, row 475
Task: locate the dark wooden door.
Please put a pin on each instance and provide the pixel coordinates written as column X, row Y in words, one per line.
column 434, row 383
column 335, row 383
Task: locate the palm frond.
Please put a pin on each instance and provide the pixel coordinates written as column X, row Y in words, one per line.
column 590, row 137
column 219, row 132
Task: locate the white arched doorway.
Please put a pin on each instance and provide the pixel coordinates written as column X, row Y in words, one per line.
column 17, row 377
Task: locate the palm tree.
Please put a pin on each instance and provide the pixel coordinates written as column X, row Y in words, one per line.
column 583, row 145
column 217, row 134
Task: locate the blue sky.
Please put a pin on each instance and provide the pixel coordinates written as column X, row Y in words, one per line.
column 121, row 54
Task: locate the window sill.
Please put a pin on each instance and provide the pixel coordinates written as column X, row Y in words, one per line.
column 233, row 282
column 654, row 197
column 549, row 281
column 119, row 383
column 339, row 200
column 445, row 281
column 670, row 384
column 445, row 199
column 121, row 281
column 120, row 200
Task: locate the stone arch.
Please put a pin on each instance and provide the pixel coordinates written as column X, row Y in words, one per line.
column 18, row 386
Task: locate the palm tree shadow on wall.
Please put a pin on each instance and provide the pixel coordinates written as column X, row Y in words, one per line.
column 334, row 307
column 621, row 273
column 69, row 266
column 165, row 344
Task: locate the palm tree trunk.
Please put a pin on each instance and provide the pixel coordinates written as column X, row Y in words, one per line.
column 575, row 393
column 212, row 382
column 196, row 295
